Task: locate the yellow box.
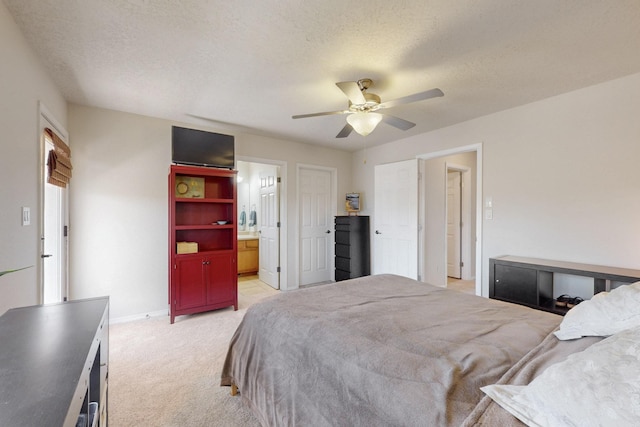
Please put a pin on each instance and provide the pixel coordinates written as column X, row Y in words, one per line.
column 187, row 247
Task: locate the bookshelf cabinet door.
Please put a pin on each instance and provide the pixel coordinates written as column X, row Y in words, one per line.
column 222, row 278
column 192, row 291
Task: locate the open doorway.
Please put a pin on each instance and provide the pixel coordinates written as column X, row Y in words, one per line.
column 54, row 218
column 260, row 221
column 441, row 172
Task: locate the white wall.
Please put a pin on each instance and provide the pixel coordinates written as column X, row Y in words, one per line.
column 118, row 210
column 562, row 172
column 23, row 84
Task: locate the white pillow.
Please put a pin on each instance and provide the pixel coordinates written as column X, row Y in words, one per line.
column 603, row 315
column 599, row 386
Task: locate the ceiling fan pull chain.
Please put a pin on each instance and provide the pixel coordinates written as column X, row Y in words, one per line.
column 364, row 151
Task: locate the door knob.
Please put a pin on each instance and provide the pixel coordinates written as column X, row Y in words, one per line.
column 328, row 232
column 45, row 256
column 378, row 232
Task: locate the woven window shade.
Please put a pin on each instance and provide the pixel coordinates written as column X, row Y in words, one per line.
column 58, row 161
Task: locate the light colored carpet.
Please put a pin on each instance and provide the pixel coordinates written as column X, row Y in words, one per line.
column 169, row 375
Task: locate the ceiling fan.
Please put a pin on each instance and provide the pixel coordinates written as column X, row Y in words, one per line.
column 363, row 115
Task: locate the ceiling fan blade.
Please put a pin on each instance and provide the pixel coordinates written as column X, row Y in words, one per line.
column 397, row 122
column 327, row 113
column 433, row 93
column 345, row 132
column 353, row 92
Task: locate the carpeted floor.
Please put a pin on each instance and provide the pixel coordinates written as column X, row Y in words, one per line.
column 169, row 375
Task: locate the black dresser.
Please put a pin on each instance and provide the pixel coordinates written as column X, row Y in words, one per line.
column 352, row 247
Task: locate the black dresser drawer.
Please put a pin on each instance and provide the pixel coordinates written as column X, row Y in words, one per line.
column 344, row 220
column 343, row 251
column 343, row 237
column 342, row 275
column 343, row 264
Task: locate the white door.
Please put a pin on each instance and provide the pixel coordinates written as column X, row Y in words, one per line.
column 316, row 223
column 54, row 238
column 396, row 219
column 454, row 196
column 269, row 228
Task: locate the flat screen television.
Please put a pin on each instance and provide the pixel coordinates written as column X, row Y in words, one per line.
column 201, row 148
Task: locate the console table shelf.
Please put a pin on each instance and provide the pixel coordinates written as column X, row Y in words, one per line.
column 530, row 281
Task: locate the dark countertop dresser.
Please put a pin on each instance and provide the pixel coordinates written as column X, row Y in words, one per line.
column 54, row 364
column 530, row 281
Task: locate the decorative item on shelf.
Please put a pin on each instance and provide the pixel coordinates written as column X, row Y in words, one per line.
column 221, row 222
column 190, row 187
column 242, row 222
column 253, row 218
column 187, row 247
column 352, row 203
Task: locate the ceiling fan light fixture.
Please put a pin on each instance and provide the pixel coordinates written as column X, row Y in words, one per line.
column 363, row 122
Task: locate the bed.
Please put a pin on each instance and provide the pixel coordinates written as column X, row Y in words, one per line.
column 388, row 350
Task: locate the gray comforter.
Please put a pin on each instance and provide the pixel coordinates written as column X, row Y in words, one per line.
column 376, row 351
column 548, row 352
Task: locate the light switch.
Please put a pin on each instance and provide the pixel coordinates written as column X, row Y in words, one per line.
column 488, row 213
column 26, row 216
column 488, row 202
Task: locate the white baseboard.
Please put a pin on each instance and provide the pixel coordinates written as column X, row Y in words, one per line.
column 140, row 316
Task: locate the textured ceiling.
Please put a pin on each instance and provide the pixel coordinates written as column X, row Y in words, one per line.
column 250, row 65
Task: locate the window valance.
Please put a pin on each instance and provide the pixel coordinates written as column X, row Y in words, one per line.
column 58, row 161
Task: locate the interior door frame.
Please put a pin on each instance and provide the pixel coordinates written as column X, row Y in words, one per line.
column 47, row 119
column 282, row 196
column 479, row 197
column 333, row 208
